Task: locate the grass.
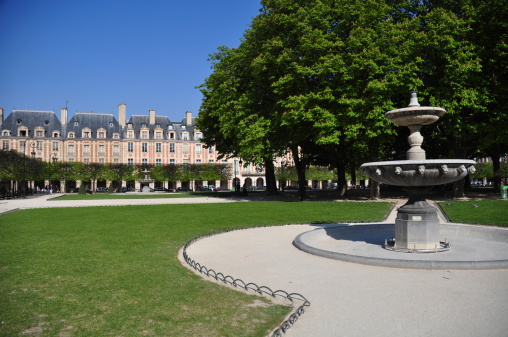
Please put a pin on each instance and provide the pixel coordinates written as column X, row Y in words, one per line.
column 482, row 212
column 113, row 271
column 100, row 196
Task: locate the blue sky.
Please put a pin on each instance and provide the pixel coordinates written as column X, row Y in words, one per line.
column 92, row 55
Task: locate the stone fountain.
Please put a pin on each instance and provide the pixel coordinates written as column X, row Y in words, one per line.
column 417, row 223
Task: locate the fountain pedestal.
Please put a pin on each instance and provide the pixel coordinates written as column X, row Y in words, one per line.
column 417, row 224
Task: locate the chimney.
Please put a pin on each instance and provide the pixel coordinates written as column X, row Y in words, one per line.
column 151, row 117
column 122, row 108
column 188, row 118
column 63, row 116
column 1, row 116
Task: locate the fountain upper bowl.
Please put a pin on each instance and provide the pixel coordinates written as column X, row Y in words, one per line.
column 428, row 172
column 415, row 115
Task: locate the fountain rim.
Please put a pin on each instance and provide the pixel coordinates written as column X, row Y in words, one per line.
column 419, row 162
column 431, row 109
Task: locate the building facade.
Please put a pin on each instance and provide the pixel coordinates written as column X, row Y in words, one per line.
column 91, row 137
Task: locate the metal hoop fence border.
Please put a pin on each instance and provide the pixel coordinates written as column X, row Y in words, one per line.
column 238, row 283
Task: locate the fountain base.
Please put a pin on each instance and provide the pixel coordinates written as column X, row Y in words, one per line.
column 416, row 225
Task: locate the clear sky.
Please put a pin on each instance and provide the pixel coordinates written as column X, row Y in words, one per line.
column 91, row 55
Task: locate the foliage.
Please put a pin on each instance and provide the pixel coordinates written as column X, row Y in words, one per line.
column 315, row 77
column 485, row 170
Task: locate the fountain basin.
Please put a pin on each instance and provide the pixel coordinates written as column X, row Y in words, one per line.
column 428, row 172
column 415, row 115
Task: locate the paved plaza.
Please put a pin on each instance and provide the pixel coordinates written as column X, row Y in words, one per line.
column 347, row 299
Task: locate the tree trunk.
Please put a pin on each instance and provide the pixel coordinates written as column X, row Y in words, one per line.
column 300, row 170
column 458, row 189
column 341, row 179
column 496, row 165
column 271, row 182
column 374, row 189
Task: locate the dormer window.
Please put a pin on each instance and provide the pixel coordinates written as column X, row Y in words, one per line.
column 143, row 125
column 18, row 121
column 39, row 133
column 183, row 127
column 46, row 122
column 111, row 124
column 76, row 123
column 55, row 135
column 170, row 127
column 71, row 135
column 157, row 125
column 129, row 125
column 185, row 136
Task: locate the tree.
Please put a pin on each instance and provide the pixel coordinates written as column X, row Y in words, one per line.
column 92, row 172
column 119, row 172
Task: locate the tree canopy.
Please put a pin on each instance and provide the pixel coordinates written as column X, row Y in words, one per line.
column 315, row 77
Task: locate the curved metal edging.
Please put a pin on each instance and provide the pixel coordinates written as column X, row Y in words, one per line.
column 261, row 290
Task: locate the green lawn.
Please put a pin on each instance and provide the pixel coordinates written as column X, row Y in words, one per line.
column 96, row 196
column 482, row 212
column 113, row 271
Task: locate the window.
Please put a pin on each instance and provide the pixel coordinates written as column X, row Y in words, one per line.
column 183, row 127
column 211, row 161
column 39, row 133
column 143, row 125
column 158, row 162
column 101, row 134
column 86, row 160
column 198, row 136
column 70, row 150
column 185, row 148
column 144, row 147
column 130, row 134
column 76, row 123
column 172, row 161
column 101, row 160
column 111, row 124
column 5, row 145
column 144, row 161
column 171, row 135
column 198, row 148
column 144, row 134
column 210, row 150
column 171, row 147
column 116, row 150
column 198, row 161
column 170, row 127
column 86, row 133
column 102, row 152
column 71, row 134
column 116, row 136
column 115, row 160
column 39, row 146
column 86, row 150
column 130, row 147
column 185, row 136
column 158, row 147
column 158, row 135
column 55, row 135
column 130, row 161
column 55, row 146
column 70, row 160
column 5, row 133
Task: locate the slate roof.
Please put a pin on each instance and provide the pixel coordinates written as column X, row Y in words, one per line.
column 163, row 122
column 32, row 119
column 93, row 121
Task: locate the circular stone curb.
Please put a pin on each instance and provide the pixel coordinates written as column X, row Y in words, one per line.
column 310, row 242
